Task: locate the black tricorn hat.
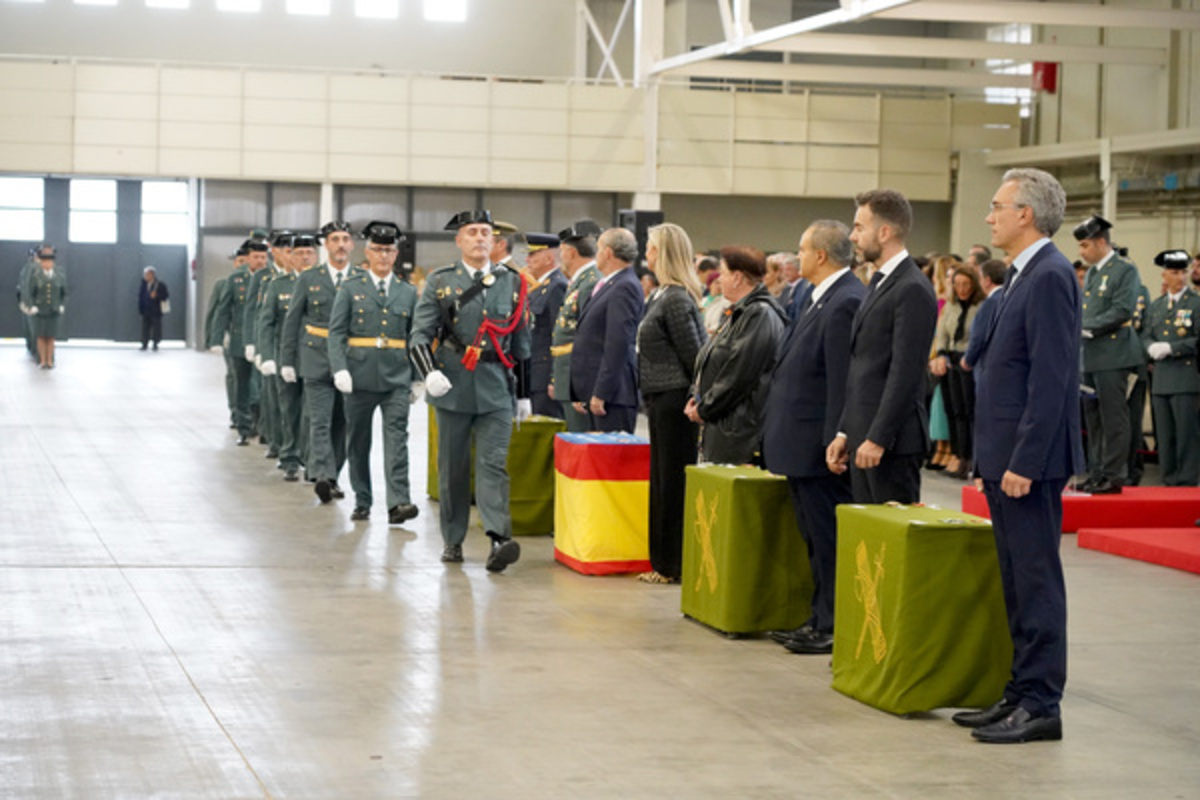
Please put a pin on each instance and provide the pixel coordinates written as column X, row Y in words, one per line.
column 333, row 227
column 1091, row 227
column 382, row 232
column 579, row 230
column 303, row 240
column 480, row 216
column 255, row 246
column 1173, row 259
column 282, row 238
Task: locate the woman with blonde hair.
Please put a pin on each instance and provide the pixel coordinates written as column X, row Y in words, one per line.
column 669, row 337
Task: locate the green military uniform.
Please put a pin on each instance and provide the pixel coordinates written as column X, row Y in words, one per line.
column 262, row 392
column 46, row 298
column 287, row 436
column 1137, row 398
column 579, row 291
column 1112, row 355
column 229, row 317
column 480, row 401
column 368, row 338
column 304, row 347
column 22, row 288
column 212, row 339
column 1175, row 385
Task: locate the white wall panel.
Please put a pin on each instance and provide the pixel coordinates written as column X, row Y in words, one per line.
column 116, row 160
column 285, row 139
column 203, row 82
column 368, row 115
column 368, row 89
column 605, row 98
column 48, row 130
column 529, row 120
column 221, row 136
column 839, row 184
column 606, row 123
column 698, row 154
column 914, row 135
column 917, row 186
column 114, row 132
column 856, row 159
column 842, row 107
column 843, row 131
column 905, row 159
column 769, row 181
column 532, row 173
column 629, row 150
column 111, row 105
column 781, row 106
column 200, row 108
column 40, row 77
column 108, row 78
column 35, row 103
column 597, row 175
column 270, row 110
column 359, row 140
column 282, row 166
column 450, row 118
column 461, row 171
column 705, row 180
column 530, row 95
column 770, row 156
column 529, row 146
column 770, row 129
column 36, row 157
column 441, row 143
column 369, row 168
column 432, row 92
column 281, row 85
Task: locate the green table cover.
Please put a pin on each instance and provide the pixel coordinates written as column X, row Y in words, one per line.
column 920, row 620
column 530, row 472
column 745, row 567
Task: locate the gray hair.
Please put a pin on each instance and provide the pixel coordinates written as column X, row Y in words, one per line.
column 1043, row 194
column 833, row 237
column 623, row 243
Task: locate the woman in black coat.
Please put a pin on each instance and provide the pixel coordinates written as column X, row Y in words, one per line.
column 733, row 371
column 668, row 340
column 151, row 297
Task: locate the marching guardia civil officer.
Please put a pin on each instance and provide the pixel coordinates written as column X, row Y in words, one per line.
column 277, row 297
column 229, row 318
column 304, row 354
column 1169, row 335
column 577, row 254
column 217, row 341
column 1112, row 353
column 477, row 380
column 268, row 405
column 368, row 353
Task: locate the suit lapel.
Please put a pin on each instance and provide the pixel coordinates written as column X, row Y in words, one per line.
column 882, row 288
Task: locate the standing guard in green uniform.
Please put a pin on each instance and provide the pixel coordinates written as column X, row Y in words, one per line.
column 1170, row 338
column 474, row 312
column 30, row 265
column 1137, row 398
column 304, row 354
column 229, row 317
column 46, row 303
column 577, row 253
column 368, row 353
column 217, row 341
column 268, row 400
column 277, row 296
column 1111, row 353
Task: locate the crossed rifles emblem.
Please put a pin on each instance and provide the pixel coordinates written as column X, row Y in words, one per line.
column 703, row 529
column 866, row 589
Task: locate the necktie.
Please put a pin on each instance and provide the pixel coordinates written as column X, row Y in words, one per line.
column 875, row 279
column 337, row 281
column 383, row 290
column 1170, row 303
column 1010, row 277
column 596, row 291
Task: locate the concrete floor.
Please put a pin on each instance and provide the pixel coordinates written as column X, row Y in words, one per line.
column 177, row 622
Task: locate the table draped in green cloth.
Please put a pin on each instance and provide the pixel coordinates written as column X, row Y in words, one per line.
column 745, row 567
column 919, row 610
column 530, row 472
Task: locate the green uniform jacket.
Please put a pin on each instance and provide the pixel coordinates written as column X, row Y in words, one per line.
column 1177, row 326
column 488, row 387
column 1110, row 298
column 23, row 280
column 229, row 316
column 255, row 295
column 211, row 336
column 360, row 313
column 579, row 291
column 312, row 304
column 277, row 296
column 47, row 293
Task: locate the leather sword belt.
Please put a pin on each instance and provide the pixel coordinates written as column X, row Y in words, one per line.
column 378, row 342
column 487, row 355
column 315, row 331
column 562, row 349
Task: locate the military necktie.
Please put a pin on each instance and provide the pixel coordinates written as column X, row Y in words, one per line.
column 383, row 290
column 337, row 281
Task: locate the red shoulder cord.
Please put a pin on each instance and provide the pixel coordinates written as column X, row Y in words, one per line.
column 494, row 329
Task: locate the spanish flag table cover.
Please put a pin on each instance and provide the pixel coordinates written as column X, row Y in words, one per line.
column 530, row 472
column 919, row 609
column 602, row 502
column 745, row 567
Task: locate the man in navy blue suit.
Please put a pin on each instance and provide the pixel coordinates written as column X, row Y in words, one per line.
column 808, row 391
column 604, row 362
column 1027, row 445
column 545, row 299
column 991, row 276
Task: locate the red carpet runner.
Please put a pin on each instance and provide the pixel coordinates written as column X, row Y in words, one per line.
column 1177, row 547
column 1136, row 507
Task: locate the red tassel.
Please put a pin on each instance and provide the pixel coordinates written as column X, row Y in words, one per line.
column 471, row 358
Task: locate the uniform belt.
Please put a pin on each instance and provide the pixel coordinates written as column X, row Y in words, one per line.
column 487, row 355
column 562, row 349
column 315, row 331
column 379, row 342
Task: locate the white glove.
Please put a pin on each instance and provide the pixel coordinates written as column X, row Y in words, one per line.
column 249, row 352
column 1158, row 350
column 225, row 339
column 1086, row 333
column 415, row 393
column 343, row 381
column 216, row 348
column 268, row 368
column 524, row 409
column 436, row 383
column 32, row 311
column 258, row 360
column 62, row 309
column 288, row 374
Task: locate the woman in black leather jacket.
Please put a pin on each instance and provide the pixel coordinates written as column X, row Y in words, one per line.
column 733, row 370
column 669, row 338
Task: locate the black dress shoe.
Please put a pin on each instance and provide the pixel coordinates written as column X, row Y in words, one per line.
column 243, row 441
column 1020, row 726
column 452, row 554
column 784, row 636
column 816, row 643
column 272, row 452
column 504, row 552
column 360, row 513
column 323, row 490
column 1104, row 487
column 336, row 490
column 292, row 475
column 984, row 716
column 398, row 515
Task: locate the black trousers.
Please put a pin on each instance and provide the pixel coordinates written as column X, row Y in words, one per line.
column 815, row 502
column 958, row 390
column 1108, row 425
column 673, row 445
column 151, row 329
column 896, row 479
column 616, row 419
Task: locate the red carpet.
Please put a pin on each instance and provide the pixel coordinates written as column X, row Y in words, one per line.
column 1136, row 507
column 1171, row 547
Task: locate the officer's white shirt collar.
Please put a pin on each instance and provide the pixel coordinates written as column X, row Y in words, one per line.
column 890, row 265
column 385, row 281
column 1099, row 265
column 488, row 267
column 1174, row 298
column 824, row 286
column 333, row 273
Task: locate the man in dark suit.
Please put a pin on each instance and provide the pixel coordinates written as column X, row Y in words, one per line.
column 545, row 299
column 991, row 276
column 808, row 391
column 604, row 362
column 884, row 428
column 1027, row 445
